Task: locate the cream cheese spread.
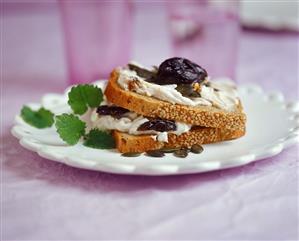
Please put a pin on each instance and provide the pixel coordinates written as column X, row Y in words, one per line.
column 220, row 93
column 130, row 122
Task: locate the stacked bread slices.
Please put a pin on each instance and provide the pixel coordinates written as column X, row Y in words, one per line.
column 213, row 116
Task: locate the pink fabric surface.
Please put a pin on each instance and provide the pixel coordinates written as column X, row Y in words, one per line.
column 44, row 200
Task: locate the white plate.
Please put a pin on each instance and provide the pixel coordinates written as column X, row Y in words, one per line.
column 273, row 124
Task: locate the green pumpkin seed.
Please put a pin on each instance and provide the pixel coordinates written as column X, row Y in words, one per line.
column 155, row 153
column 195, row 94
column 131, row 154
column 155, row 69
column 182, row 153
column 169, row 149
column 185, row 89
column 144, row 73
column 196, row 149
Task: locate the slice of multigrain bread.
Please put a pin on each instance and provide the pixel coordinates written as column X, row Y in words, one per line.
column 197, row 135
column 204, row 116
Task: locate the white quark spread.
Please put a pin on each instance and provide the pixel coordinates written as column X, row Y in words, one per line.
column 220, row 93
column 225, row 97
column 130, row 122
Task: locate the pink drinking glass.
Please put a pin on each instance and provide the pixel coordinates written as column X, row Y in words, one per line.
column 97, row 37
column 206, row 32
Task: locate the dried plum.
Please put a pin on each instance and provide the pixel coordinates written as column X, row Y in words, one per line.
column 179, row 71
column 114, row 111
column 158, row 125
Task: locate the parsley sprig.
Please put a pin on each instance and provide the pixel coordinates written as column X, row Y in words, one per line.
column 83, row 96
column 69, row 126
column 99, row 139
column 40, row 118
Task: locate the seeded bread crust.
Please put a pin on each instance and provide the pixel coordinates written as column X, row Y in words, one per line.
column 197, row 135
column 205, row 116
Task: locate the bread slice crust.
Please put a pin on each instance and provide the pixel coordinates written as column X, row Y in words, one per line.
column 197, row 135
column 204, row 116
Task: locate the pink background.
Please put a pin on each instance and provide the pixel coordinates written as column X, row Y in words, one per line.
column 44, row 200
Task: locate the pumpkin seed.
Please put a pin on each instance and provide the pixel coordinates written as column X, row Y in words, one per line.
column 155, row 153
column 155, row 69
column 142, row 72
column 131, row 154
column 185, row 89
column 195, row 94
column 196, row 149
column 181, row 153
column 169, row 149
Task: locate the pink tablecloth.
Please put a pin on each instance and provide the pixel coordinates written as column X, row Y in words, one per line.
column 44, row 200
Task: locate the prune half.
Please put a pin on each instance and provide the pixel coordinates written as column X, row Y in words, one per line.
column 180, row 71
column 158, row 125
column 114, row 111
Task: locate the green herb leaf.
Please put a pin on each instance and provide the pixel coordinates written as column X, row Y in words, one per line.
column 70, row 128
column 99, row 139
column 83, row 96
column 41, row 118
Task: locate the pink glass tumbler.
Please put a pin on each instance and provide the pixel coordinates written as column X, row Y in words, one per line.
column 206, row 32
column 97, row 37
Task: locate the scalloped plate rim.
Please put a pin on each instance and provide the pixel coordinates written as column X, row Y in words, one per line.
column 117, row 167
